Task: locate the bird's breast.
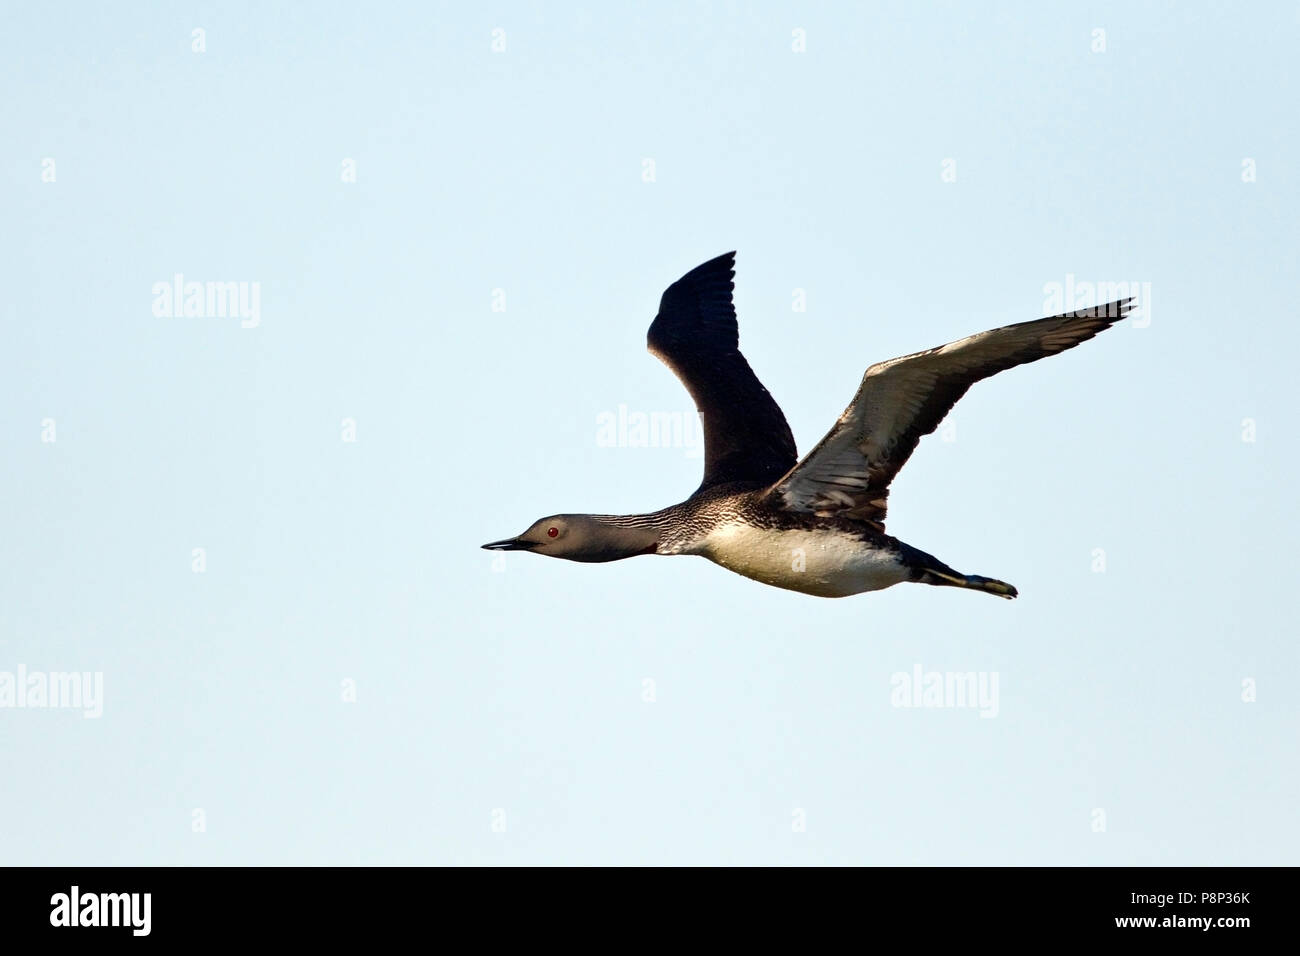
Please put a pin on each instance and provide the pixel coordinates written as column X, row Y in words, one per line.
column 822, row 561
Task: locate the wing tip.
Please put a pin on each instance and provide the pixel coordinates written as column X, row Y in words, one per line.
column 1114, row 311
column 727, row 259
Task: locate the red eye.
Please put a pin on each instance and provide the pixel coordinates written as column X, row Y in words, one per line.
column 552, row 532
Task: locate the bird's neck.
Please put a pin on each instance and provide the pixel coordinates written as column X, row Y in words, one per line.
column 625, row 536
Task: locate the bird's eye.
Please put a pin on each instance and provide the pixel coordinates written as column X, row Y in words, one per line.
column 552, row 532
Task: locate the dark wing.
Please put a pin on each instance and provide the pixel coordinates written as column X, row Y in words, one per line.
column 849, row 472
column 746, row 437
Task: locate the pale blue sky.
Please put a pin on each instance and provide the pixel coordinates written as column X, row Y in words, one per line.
column 521, row 689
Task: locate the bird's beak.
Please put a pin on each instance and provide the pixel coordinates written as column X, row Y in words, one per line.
column 509, row 544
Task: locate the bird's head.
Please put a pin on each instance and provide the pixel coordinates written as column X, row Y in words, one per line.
column 590, row 538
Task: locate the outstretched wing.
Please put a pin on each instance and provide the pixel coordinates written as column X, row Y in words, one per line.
column 746, row 437
column 849, row 472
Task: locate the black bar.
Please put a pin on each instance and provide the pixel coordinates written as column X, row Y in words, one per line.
column 335, row 906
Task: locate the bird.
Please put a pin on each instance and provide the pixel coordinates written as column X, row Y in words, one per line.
column 815, row 525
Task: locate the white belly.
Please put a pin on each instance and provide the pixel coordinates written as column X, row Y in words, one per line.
column 824, row 563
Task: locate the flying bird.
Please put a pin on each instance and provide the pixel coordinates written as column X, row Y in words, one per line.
column 816, row 525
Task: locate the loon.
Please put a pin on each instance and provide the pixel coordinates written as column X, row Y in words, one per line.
column 816, row 525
